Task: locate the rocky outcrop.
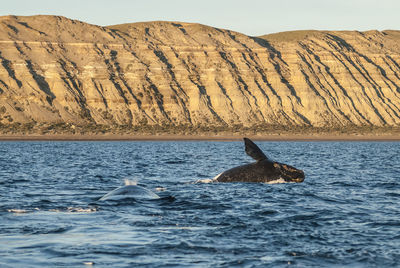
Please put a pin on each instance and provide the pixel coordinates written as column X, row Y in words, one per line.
column 56, row 70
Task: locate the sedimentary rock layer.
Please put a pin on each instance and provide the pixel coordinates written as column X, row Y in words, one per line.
column 57, row 70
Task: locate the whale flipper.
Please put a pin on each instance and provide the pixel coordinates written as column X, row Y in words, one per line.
column 253, row 151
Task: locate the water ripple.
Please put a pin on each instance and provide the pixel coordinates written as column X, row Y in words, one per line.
column 344, row 214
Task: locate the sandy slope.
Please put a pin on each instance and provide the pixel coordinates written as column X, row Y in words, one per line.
column 59, row 71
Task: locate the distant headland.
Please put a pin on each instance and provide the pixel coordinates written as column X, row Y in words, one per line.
column 65, row 78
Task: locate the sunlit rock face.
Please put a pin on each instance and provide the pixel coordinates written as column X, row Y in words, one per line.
column 57, row 70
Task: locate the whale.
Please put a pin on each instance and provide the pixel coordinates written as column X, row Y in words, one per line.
column 130, row 190
column 264, row 170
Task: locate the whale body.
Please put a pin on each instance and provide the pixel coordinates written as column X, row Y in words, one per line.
column 263, row 170
column 130, row 191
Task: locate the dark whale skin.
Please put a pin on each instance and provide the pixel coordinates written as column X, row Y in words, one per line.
column 262, row 171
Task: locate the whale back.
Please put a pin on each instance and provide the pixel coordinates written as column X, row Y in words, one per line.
column 130, row 191
column 264, row 170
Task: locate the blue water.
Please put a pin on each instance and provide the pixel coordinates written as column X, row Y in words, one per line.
column 345, row 213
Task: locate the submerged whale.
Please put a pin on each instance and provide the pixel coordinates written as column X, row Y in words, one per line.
column 264, row 170
column 130, row 190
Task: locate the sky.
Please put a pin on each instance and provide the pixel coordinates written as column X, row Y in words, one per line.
column 251, row 17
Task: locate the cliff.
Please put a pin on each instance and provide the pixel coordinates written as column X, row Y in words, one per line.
column 55, row 70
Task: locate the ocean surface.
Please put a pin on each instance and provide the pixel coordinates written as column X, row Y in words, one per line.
column 345, row 214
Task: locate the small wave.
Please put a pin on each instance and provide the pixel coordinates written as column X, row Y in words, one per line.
column 190, row 228
column 268, row 212
column 75, row 210
column 175, row 162
column 303, row 217
column 84, row 210
column 394, row 194
column 38, row 230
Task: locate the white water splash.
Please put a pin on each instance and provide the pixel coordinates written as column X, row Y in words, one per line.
column 280, row 180
column 205, row 181
column 216, row 177
column 69, row 209
column 74, row 210
column 161, row 189
column 130, row 182
column 15, row 210
column 209, row 180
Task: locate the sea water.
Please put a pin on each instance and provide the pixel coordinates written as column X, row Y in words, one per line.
column 345, row 213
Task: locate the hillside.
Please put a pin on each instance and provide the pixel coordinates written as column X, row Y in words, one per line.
column 57, row 71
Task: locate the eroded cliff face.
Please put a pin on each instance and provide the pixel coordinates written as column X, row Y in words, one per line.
column 54, row 70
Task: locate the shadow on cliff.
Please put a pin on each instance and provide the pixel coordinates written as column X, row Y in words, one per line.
column 276, row 53
column 41, row 82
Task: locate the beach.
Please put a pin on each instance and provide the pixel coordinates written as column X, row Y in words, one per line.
column 211, row 137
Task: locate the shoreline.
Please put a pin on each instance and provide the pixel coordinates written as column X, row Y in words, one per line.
column 198, row 137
